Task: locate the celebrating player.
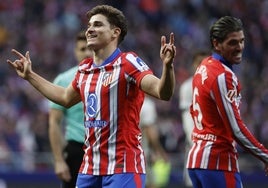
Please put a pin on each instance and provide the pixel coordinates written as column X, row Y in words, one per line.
column 111, row 86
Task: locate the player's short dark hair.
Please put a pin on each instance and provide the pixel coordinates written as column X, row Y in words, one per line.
column 114, row 16
column 223, row 26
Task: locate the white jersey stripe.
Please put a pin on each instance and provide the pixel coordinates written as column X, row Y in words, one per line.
column 142, row 159
column 113, row 118
column 96, row 149
column 199, row 142
column 206, row 154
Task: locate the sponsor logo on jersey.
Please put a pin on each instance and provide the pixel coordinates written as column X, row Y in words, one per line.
column 91, row 105
column 207, row 137
column 95, row 123
column 91, row 109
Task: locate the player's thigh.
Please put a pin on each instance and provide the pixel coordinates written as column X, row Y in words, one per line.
column 124, row 180
column 214, row 178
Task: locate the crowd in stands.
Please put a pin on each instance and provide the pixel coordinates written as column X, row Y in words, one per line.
column 47, row 29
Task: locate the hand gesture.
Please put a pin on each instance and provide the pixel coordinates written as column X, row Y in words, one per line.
column 22, row 65
column 168, row 50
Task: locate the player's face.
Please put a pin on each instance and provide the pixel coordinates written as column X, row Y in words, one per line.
column 232, row 47
column 81, row 50
column 100, row 32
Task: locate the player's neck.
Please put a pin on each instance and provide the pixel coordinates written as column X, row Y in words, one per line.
column 102, row 54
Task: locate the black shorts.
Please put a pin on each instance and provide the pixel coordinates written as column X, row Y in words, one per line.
column 73, row 153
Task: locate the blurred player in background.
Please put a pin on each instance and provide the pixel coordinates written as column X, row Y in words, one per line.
column 154, row 152
column 68, row 152
column 185, row 100
column 111, row 86
column 215, row 109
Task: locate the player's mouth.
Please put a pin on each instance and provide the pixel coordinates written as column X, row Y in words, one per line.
column 237, row 57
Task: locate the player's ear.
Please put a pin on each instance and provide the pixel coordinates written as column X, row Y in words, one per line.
column 116, row 32
column 215, row 44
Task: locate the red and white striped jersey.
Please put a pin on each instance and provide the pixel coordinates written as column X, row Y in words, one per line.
column 218, row 124
column 112, row 102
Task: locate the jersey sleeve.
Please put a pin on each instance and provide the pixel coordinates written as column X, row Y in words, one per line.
column 228, row 97
column 82, row 68
column 136, row 68
column 75, row 82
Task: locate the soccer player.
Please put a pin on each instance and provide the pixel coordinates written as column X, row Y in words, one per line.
column 68, row 153
column 185, row 97
column 213, row 158
column 111, row 86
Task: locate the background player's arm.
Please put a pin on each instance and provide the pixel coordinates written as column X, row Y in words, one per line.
column 153, row 141
column 57, row 143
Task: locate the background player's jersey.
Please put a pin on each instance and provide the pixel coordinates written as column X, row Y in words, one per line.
column 74, row 115
column 185, row 97
column 216, row 114
column 148, row 117
column 113, row 100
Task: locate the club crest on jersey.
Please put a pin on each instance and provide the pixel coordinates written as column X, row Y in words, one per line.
column 231, row 95
column 107, row 78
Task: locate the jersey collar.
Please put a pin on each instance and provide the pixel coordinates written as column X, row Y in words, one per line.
column 222, row 60
column 110, row 58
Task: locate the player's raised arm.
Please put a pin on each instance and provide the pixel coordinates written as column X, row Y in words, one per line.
column 163, row 88
column 22, row 65
column 63, row 96
column 168, row 50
